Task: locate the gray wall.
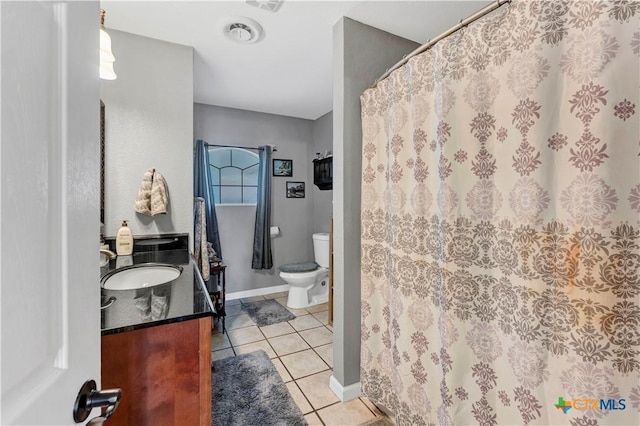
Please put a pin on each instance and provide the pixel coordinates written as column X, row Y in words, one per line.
column 322, row 200
column 360, row 55
column 149, row 124
column 294, row 216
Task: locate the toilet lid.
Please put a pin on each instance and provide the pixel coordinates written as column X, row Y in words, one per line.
column 299, row 267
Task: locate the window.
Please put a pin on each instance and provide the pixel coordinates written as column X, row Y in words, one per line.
column 234, row 172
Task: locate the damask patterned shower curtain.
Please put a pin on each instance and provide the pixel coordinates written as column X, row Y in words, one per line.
column 501, row 222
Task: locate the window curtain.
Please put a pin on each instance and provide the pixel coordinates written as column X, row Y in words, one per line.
column 202, row 188
column 500, row 222
column 261, row 238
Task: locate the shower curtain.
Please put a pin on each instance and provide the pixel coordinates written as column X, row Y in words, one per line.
column 500, row 222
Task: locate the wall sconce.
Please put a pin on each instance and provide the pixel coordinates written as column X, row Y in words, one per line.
column 106, row 56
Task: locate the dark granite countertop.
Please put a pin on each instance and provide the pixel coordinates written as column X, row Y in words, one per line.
column 182, row 299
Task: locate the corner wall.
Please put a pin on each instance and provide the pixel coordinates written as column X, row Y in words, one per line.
column 360, row 55
column 148, row 124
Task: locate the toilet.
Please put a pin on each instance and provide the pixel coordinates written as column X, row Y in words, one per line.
column 309, row 281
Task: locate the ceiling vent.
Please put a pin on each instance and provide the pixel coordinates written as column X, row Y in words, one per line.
column 270, row 5
column 242, row 30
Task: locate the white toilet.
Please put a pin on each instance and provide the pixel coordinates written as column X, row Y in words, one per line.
column 309, row 281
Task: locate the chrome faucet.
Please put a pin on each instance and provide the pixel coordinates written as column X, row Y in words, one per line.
column 109, row 253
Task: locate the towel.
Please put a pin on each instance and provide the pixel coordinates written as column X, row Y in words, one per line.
column 200, row 244
column 143, row 200
column 159, row 195
column 153, row 195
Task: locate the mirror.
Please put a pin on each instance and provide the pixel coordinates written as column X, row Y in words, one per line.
column 101, row 162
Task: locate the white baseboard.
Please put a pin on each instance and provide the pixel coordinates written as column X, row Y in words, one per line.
column 345, row 393
column 257, row 292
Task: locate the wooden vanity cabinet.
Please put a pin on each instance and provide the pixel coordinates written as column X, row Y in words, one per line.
column 164, row 373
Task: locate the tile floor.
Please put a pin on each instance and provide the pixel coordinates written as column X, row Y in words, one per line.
column 302, row 352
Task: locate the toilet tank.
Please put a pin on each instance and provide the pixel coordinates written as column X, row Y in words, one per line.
column 321, row 249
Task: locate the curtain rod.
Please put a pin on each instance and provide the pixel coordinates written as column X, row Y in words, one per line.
column 463, row 23
column 275, row 148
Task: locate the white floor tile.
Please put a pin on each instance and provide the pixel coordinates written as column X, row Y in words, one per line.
column 326, row 353
column 279, row 329
column 286, row 377
column 323, row 317
column 318, row 308
column 242, row 336
column 289, row 343
column 349, row 413
column 317, row 336
column 221, row 354
column 219, row 341
column 255, row 346
column 305, row 363
column 305, row 322
column 316, row 389
column 313, row 419
column 238, row 321
column 232, row 310
column 278, row 295
column 299, row 398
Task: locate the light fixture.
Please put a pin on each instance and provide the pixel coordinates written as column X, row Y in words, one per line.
column 106, row 56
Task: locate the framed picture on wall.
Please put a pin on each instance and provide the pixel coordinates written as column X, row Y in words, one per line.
column 295, row 189
column 282, row 167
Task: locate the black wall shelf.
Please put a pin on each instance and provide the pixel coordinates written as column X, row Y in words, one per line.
column 323, row 173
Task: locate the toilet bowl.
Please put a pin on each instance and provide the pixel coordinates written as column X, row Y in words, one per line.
column 309, row 281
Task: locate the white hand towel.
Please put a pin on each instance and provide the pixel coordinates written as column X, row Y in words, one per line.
column 143, row 200
column 159, row 195
column 200, row 251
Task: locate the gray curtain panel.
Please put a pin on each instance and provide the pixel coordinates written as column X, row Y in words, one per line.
column 261, row 238
column 202, row 188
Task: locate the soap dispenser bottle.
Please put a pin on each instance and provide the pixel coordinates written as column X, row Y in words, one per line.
column 124, row 240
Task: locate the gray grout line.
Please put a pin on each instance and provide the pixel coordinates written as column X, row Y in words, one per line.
column 367, row 405
column 305, row 397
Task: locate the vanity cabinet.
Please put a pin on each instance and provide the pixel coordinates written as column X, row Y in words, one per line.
column 164, row 373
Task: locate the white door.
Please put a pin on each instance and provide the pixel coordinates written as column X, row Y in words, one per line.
column 49, row 197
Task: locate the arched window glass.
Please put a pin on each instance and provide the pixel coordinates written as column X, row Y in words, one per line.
column 235, row 175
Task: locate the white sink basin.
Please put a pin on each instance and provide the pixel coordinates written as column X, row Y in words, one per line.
column 144, row 275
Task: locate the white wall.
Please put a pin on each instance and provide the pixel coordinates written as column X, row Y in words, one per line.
column 149, row 124
column 294, row 216
column 361, row 54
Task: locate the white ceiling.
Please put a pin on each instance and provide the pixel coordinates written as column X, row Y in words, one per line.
column 289, row 71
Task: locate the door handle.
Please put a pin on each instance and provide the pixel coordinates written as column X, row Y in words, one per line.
column 89, row 398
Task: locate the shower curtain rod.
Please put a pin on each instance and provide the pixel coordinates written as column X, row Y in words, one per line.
column 463, row 23
column 275, row 148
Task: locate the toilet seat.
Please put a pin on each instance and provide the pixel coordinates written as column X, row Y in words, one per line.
column 302, row 275
column 299, row 267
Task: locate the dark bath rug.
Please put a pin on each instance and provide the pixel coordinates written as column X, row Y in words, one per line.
column 267, row 312
column 247, row 390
